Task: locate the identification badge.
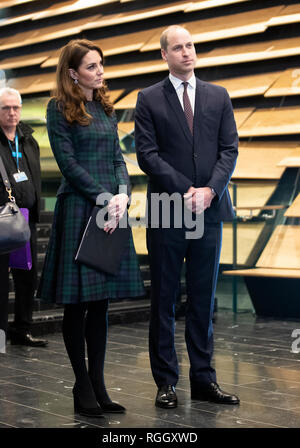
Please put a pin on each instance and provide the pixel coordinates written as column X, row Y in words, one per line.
column 20, row 176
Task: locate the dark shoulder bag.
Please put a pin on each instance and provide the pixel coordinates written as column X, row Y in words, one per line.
column 14, row 229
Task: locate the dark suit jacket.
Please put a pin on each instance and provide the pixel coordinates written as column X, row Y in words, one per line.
column 173, row 158
column 32, row 154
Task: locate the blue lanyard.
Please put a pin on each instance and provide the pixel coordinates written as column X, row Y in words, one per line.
column 16, row 154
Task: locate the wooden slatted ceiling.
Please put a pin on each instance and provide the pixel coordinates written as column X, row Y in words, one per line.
column 288, row 83
column 56, row 10
column 33, row 84
column 138, row 201
column 250, row 52
column 111, row 46
column 205, row 4
column 290, row 14
column 52, row 60
column 223, row 56
column 41, row 35
column 129, row 101
column 275, row 121
column 114, row 94
column 125, row 127
column 291, row 162
column 248, row 85
column 294, row 210
column 211, row 29
column 34, row 110
column 111, row 19
column 137, row 68
column 245, row 23
column 139, row 238
column 253, row 193
column 241, row 115
column 258, row 160
column 283, row 249
column 247, row 235
column 9, row 3
column 228, row 55
column 24, row 84
column 50, row 169
column 133, row 16
column 132, row 166
column 265, row 272
column 70, row 6
column 237, row 87
column 11, row 20
column 23, row 61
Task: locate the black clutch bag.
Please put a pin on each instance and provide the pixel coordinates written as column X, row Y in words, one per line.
column 100, row 250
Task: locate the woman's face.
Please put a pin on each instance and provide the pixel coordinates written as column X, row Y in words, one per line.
column 89, row 73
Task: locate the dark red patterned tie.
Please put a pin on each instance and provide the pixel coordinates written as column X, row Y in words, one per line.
column 188, row 111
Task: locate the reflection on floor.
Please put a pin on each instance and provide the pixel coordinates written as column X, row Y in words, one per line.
column 253, row 357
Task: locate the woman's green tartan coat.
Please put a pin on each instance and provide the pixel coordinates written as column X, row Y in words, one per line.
column 91, row 162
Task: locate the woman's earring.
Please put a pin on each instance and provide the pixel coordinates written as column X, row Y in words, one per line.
column 75, row 81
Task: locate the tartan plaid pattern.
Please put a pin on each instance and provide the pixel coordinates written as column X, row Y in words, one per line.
column 64, row 280
column 89, row 157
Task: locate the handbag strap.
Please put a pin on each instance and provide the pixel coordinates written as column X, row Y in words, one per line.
column 6, row 180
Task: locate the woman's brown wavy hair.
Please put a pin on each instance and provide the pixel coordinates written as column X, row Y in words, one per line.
column 68, row 94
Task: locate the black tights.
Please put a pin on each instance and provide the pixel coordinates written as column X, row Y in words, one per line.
column 87, row 322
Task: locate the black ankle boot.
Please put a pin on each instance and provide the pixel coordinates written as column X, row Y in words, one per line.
column 86, row 411
column 111, row 407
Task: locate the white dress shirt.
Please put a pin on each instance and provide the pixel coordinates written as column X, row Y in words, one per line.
column 191, row 89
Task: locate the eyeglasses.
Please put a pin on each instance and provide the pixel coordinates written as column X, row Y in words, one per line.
column 14, row 108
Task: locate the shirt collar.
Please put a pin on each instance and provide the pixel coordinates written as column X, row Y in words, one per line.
column 178, row 82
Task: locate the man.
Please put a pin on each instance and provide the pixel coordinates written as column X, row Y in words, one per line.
column 186, row 143
column 20, row 155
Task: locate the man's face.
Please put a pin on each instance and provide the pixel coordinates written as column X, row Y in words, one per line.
column 180, row 55
column 10, row 110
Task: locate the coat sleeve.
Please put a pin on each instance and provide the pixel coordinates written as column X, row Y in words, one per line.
column 147, row 149
column 227, row 149
column 121, row 172
column 60, row 137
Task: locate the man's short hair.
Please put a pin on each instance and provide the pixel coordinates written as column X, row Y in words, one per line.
column 10, row 91
column 164, row 36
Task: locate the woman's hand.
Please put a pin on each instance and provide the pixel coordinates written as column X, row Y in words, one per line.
column 116, row 209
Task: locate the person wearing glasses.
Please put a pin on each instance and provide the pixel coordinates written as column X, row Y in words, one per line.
column 21, row 157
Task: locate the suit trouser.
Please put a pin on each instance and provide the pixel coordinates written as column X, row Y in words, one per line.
column 24, row 284
column 167, row 249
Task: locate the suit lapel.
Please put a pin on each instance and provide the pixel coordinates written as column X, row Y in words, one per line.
column 200, row 104
column 172, row 98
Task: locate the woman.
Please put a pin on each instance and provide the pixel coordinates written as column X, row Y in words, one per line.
column 82, row 130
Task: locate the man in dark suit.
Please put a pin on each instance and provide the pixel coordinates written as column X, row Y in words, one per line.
column 21, row 157
column 187, row 143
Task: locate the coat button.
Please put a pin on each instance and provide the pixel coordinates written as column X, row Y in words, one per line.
column 195, row 156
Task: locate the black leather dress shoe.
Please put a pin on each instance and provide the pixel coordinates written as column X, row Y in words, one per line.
column 27, row 339
column 166, row 397
column 212, row 392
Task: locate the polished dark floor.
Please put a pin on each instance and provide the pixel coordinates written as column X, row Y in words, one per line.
column 253, row 358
